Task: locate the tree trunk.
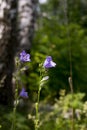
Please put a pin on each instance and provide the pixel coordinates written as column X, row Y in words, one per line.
column 17, row 20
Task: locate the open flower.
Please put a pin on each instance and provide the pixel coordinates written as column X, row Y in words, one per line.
column 24, row 57
column 48, row 63
column 23, row 93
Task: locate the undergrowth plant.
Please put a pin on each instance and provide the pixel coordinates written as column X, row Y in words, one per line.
column 24, row 57
column 68, row 112
column 60, row 113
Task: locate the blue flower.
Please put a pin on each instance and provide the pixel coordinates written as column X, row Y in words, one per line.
column 23, row 93
column 24, row 57
column 48, row 63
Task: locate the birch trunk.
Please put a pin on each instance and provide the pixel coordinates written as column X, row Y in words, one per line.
column 17, row 20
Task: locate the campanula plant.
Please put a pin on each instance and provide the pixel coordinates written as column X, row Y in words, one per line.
column 23, row 58
column 48, row 63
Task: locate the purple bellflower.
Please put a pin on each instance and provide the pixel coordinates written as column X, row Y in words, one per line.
column 23, row 93
column 24, row 57
column 48, row 63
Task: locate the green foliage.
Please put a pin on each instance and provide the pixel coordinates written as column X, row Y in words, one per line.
column 22, row 121
column 57, row 116
column 60, row 116
column 57, row 34
column 53, row 37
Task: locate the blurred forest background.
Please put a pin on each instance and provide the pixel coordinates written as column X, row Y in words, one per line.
column 61, row 28
column 61, row 32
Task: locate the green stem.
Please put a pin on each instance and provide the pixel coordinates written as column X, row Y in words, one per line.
column 14, row 119
column 37, row 109
column 38, row 99
column 73, row 112
column 15, row 106
column 65, row 9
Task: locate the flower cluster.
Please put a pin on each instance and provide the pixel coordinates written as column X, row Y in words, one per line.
column 48, row 63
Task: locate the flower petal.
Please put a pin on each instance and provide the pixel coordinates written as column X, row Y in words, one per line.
column 23, row 93
column 24, row 57
column 48, row 63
